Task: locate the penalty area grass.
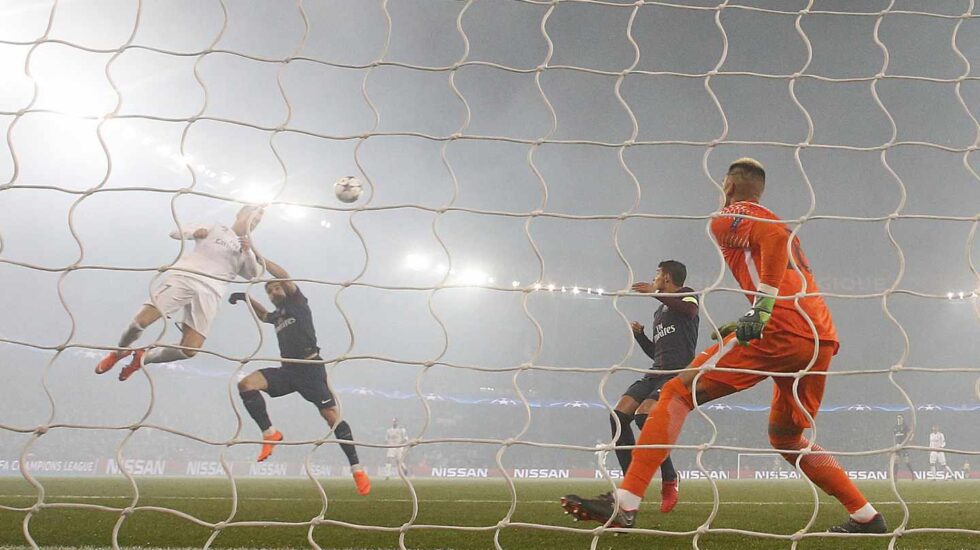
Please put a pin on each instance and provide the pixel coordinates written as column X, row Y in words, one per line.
column 776, row 507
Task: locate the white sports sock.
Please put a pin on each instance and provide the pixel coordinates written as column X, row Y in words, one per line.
column 132, row 334
column 627, row 500
column 164, row 355
column 865, row 514
column 270, row 431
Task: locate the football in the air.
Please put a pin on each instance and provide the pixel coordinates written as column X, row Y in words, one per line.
column 348, row 189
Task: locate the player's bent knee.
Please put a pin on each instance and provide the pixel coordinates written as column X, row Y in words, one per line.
column 189, row 353
column 786, row 438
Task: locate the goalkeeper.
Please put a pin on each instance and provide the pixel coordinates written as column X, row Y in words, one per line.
column 297, row 341
column 774, row 337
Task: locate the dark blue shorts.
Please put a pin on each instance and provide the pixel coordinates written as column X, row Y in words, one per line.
column 649, row 387
column 308, row 379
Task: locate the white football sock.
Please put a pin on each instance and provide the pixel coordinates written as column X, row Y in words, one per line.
column 164, row 355
column 132, row 334
column 864, row 514
column 270, row 431
column 627, row 500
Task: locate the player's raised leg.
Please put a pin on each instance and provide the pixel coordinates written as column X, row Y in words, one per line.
column 669, row 484
column 249, row 389
column 190, row 343
column 662, row 427
column 145, row 317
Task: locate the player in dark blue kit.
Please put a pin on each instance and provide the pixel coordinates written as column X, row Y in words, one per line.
column 297, row 340
column 901, row 434
column 675, row 337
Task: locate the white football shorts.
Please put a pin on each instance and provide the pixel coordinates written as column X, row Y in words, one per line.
column 197, row 300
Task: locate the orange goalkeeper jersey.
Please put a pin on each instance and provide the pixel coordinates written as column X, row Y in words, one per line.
column 756, row 252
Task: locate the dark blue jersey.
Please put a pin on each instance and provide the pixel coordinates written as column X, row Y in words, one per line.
column 294, row 327
column 675, row 332
column 901, row 432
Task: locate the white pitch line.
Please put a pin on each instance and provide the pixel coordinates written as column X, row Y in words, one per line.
column 451, row 501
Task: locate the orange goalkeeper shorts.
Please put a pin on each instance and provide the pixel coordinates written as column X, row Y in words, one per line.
column 777, row 352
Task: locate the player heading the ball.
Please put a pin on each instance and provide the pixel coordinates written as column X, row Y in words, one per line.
column 772, row 336
column 195, row 285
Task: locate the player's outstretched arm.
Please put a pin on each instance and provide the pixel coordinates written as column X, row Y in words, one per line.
column 249, row 267
column 257, row 306
column 278, row 272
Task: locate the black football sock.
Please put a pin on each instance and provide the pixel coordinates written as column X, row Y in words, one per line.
column 640, row 420
column 625, row 438
column 342, row 431
column 255, row 405
column 667, row 471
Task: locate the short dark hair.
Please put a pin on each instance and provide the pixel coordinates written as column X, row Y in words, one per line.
column 676, row 270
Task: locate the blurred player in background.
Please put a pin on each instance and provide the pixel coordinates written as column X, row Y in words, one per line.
column 297, row 341
column 195, row 285
column 901, row 434
column 675, row 339
column 395, row 435
column 937, row 442
column 773, row 336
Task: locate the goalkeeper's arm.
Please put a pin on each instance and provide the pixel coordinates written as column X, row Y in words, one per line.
column 770, row 241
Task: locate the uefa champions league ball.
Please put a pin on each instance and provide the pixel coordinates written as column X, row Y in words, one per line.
column 347, row 189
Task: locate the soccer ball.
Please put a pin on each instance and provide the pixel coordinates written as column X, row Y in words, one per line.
column 347, row 189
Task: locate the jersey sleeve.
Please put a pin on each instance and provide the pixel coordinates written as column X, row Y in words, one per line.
column 687, row 305
column 770, row 240
column 766, row 241
column 187, row 232
column 646, row 344
column 248, row 265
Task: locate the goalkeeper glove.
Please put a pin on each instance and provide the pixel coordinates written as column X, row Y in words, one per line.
column 236, row 297
column 750, row 326
column 724, row 330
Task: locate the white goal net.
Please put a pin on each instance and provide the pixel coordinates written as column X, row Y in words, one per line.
column 524, row 162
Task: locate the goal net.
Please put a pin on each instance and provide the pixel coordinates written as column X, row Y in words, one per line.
column 524, row 163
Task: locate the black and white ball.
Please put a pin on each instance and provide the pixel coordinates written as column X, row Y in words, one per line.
column 348, row 189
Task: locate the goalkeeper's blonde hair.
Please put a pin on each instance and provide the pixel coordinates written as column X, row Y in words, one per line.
column 749, row 174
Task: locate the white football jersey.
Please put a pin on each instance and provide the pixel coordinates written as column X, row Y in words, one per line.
column 937, row 440
column 395, row 436
column 219, row 255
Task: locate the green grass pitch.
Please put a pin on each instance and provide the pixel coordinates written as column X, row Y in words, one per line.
column 774, row 506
